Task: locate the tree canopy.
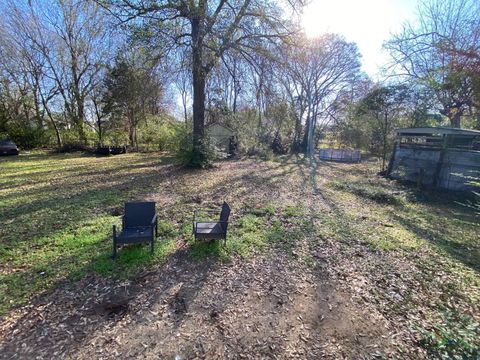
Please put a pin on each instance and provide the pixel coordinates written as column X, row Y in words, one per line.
column 104, row 71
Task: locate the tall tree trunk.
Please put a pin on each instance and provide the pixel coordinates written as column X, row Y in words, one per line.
column 235, row 97
column 309, row 130
column 79, row 122
column 297, row 137
column 55, row 127
column 38, row 112
column 184, row 103
column 455, row 118
column 304, row 146
column 259, row 103
column 236, row 87
column 384, row 140
column 199, row 79
column 57, row 134
column 99, row 121
column 298, row 133
column 135, row 137
column 131, row 127
column 52, row 120
column 100, row 133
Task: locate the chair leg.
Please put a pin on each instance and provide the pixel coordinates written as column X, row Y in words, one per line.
column 114, row 255
column 151, row 244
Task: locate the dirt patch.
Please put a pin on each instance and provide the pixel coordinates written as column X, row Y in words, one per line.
column 269, row 307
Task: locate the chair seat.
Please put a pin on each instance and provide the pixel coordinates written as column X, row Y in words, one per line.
column 133, row 235
column 209, row 229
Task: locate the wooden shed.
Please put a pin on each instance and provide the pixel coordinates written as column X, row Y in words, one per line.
column 447, row 158
column 221, row 136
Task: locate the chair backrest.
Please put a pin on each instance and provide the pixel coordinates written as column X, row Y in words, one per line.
column 225, row 212
column 139, row 213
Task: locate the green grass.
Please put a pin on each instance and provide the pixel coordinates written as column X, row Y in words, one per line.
column 249, row 235
column 56, row 213
column 369, row 190
column 293, row 211
column 391, row 218
column 452, row 336
column 56, row 219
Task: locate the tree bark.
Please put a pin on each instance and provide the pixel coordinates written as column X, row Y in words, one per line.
column 38, row 112
column 455, row 119
column 99, row 116
column 131, row 127
column 78, row 97
column 55, row 127
column 52, row 120
column 297, row 139
column 454, row 114
column 305, row 134
column 236, row 87
column 184, row 103
column 79, row 122
column 384, row 139
column 199, row 79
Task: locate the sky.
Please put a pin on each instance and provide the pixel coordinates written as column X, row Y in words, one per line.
column 367, row 22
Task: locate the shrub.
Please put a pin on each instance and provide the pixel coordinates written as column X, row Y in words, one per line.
column 201, row 157
column 162, row 133
column 27, row 136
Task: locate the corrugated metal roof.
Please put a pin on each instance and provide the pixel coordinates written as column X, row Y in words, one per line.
column 438, row 130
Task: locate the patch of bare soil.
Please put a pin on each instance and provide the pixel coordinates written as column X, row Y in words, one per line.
column 268, row 307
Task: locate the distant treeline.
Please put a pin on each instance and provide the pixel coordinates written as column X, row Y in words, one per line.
column 120, row 73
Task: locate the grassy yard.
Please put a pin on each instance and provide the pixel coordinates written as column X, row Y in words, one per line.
column 411, row 257
column 57, row 213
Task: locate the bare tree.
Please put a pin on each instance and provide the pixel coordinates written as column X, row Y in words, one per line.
column 208, row 29
column 183, row 83
column 25, row 67
column 70, row 39
column 427, row 51
column 317, row 72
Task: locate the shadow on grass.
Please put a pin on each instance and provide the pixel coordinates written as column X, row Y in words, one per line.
column 71, row 254
column 254, row 229
column 47, row 241
column 106, row 299
column 74, row 259
column 83, row 178
column 437, row 207
column 90, row 251
column 69, row 205
column 59, row 233
column 452, row 244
